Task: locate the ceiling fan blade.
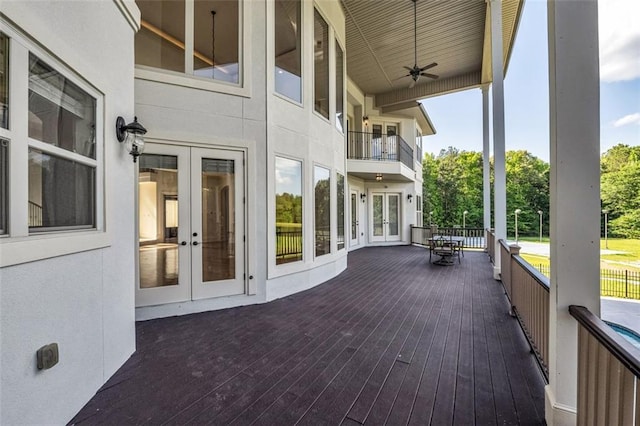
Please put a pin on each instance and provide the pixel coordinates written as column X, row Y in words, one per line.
column 407, row 68
column 431, row 65
column 426, row 74
column 400, row 78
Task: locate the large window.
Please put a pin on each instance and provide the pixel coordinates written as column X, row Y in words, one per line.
column 322, row 204
column 4, row 81
column 418, row 146
column 288, row 51
column 288, row 210
column 56, row 131
column 419, row 210
column 3, row 185
column 210, row 50
column 340, row 209
column 321, row 65
column 62, row 169
column 339, row 88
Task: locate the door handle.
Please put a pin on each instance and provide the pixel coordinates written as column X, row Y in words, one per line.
column 195, row 243
column 184, row 243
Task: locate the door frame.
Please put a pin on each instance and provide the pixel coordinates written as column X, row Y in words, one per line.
column 385, row 237
column 184, row 291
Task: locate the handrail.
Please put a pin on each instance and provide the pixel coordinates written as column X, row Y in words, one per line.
column 535, row 273
column 611, row 340
column 379, row 147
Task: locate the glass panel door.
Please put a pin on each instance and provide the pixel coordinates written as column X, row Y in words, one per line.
column 217, row 223
column 393, row 215
column 377, row 208
column 354, row 218
column 191, row 224
column 164, row 267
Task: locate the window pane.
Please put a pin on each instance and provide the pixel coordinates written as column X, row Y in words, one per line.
column 3, row 185
column 61, row 192
column 158, row 220
column 340, row 205
column 288, row 210
column 60, row 113
column 215, row 40
column 288, row 39
column 339, row 88
column 4, row 81
column 321, row 65
column 160, row 41
column 322, row 185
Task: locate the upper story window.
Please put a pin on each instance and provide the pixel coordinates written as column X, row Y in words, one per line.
column 4, row 81
column 418, row 146
column 288, row 52
column 321, row 65
column 195, row 37
column 339, row 87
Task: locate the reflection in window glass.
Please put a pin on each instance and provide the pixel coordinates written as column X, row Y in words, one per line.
column 322, row 189
column 60, row 113
column 160, row 41
column 3, row 185
column 61, row 193
column 4, row 81
column 321, row 65
column 288, row 52
column 340, row 208
column 158, row 220
column 339, row 88
column 288, row 211
column 215, row 38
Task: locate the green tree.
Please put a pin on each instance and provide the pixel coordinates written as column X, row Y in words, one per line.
column 620, row 189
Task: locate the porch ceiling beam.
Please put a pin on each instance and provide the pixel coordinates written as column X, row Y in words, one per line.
column 426, row 90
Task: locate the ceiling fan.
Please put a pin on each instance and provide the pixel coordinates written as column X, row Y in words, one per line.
column 416, row 72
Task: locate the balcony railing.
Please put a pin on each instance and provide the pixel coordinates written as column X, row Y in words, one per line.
column 378, row 147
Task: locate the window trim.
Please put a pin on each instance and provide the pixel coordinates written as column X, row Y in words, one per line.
column 19, row 245
column 242, row 88
column 329, row 48
column 302, row 53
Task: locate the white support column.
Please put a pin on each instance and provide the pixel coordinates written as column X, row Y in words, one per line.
column 497, row 89
column 574, row 119
column 486, row 163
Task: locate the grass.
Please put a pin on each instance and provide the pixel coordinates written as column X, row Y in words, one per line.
column 609, row 286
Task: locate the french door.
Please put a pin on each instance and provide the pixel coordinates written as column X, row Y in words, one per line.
column 354, row 229
column 385, row 217
column 191, row 224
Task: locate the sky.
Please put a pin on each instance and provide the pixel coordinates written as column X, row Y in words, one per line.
column 458, row 117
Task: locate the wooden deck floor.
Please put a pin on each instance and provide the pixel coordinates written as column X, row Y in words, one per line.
column 392, row 340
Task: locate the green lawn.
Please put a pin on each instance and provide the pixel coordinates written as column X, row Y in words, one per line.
column 611, row 286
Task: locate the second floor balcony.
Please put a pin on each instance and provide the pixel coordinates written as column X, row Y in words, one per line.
column 379, row 148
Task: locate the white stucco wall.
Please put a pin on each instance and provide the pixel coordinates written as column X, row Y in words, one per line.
column 296, row 131
column 83, row 301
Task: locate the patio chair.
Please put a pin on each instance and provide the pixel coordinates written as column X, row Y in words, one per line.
column 444, row 247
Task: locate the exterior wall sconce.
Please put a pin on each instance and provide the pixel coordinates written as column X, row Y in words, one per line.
column 410, row 197
column 365, row 120
column 363, row 197
column 379, row 177
column 132, row 135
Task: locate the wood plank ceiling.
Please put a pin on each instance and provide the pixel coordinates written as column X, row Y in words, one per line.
column 380, row 42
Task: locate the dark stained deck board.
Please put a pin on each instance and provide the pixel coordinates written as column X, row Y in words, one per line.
column 392, row 340
column 268, row 394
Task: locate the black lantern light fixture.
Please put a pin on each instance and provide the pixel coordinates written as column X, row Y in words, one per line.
column 132, row 135
column 363, row 197
column 410, row 197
